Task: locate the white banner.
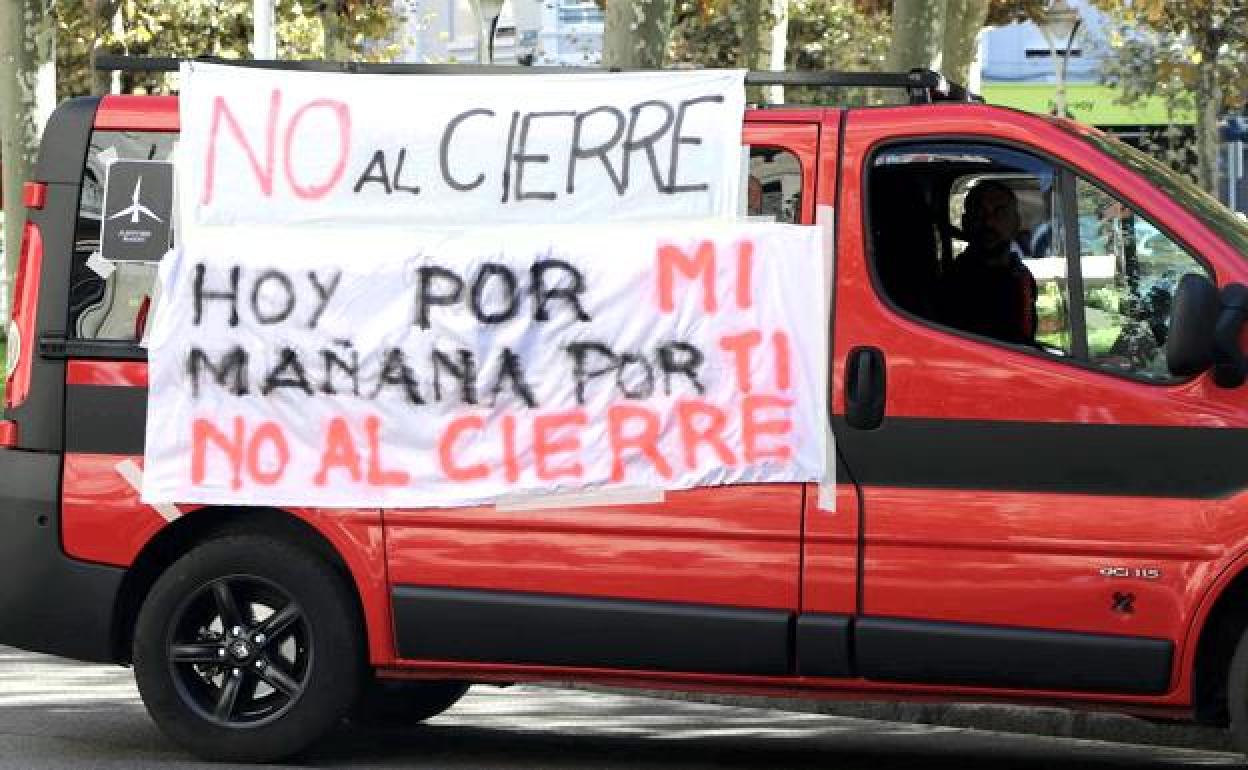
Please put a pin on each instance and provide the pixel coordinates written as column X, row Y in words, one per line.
column 269, row 147
column 419, row 368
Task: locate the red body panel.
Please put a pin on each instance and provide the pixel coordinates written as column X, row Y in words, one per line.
column 1001, row 558
column 1021, row 558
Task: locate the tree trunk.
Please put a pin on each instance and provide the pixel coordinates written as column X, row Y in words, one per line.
column 1209, row 101
column 27, row 35
column 918, row 35
column 777, row 45
column 336, row 48
column 963, row 21
column 636, row 33
column 103, row 13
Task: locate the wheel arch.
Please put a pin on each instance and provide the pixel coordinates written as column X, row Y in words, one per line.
column 363, row 572
column 1223, row 625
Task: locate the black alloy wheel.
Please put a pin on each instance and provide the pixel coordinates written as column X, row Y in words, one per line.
column 239, row 651
column 249, row 648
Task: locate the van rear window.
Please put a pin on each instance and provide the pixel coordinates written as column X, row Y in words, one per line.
column 111, row 304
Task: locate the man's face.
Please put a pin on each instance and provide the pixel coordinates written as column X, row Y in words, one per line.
column 992, row 218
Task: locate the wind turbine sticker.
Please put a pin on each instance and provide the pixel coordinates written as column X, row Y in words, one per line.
column 138, row 209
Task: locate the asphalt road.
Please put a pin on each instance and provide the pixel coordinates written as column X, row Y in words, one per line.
column 57, row 714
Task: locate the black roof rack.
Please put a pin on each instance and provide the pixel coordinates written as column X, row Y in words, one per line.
column 923, row 86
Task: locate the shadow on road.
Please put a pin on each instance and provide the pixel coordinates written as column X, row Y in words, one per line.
column 55, row 714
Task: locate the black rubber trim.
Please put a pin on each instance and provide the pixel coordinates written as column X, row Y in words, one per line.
column 105, row 419
column 919, row 651
column 541, row 629
column 823, row 645
column 1129, row 460
column 48, row 602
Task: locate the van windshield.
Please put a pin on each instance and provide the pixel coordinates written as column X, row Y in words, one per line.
column 1232, row 228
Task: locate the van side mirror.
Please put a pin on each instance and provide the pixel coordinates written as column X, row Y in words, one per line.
column 1230, row 367
column 1193, row 316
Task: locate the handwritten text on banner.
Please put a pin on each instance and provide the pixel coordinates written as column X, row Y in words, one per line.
column 453, row 368
column 270, row 148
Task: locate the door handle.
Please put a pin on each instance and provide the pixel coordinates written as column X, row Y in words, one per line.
column 865, row 388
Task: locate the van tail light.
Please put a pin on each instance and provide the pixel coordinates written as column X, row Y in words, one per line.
column 21, row 337
column 8, row 434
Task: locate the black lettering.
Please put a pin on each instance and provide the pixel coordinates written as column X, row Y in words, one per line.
column 398, row 174
column 444, row 153
column 678, row 140
column 333, row 361
column 323, row 292
column 632, row 144
column 288, row 360
column 543, row 292
column 600, row 152
column 232, row 363
column 479, row 286
column 381, row 176
column 522, row 158
column 511, row 142
column 640, row 389
column 201, row 295
column 394, row 371
column 581, row 371
column 512, row 371
column 428, row 276
column 287, row 286
column 465, row 371
column 680, row 358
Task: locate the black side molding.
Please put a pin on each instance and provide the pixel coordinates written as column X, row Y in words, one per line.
column 919, row 651
column 541, row 629
column 823, row 647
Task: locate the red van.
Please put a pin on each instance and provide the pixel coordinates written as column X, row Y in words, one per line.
column 1057, row 515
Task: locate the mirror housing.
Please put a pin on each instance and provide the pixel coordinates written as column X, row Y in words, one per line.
column 1193, row 319
column 1230, row 367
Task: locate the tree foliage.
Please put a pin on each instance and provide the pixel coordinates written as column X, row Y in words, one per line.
column 190, row 28
column 1193, row 54
column 822, row 35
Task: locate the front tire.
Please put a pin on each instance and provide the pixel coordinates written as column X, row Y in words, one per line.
column 248, row 649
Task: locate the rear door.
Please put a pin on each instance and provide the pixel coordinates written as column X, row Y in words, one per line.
column 1036, row 515
column 706, row 580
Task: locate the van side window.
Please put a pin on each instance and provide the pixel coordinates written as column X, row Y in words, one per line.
column 774, row 184
column 1130, row 273
column 966, row 236
column 978, row 238
column 112, row 308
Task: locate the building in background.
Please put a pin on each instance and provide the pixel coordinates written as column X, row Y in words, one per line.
column 541, row 32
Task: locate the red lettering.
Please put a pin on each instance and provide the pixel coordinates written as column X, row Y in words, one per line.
column 271, row 433
column 446, row 450
column 544, row 447
column 740, row 346
column 339, row 452
column 672, row 258
column 753, row 428
column 646, row 441
column 264, row 174
column 511, row 464
column 376, row 476
column 204, row 431
column 343, row 116
column 784, row 371
column 745, row 273
column 688, row 414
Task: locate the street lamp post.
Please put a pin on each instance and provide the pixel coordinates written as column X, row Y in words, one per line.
column 1060, row 22
column 487, row 19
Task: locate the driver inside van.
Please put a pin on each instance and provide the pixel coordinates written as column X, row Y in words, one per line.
column 989, row 291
